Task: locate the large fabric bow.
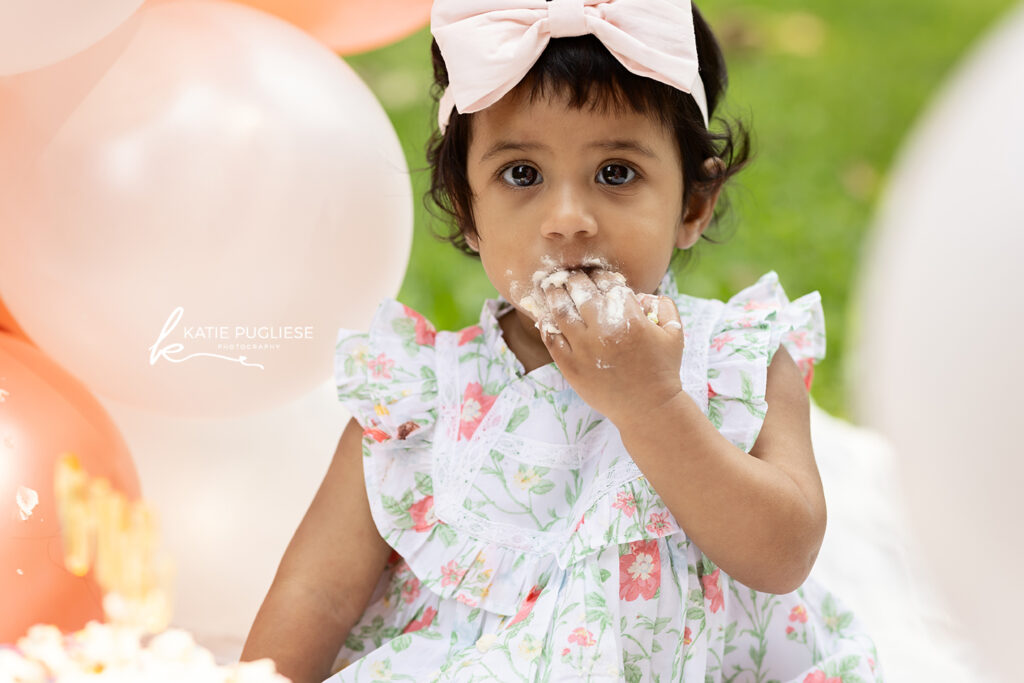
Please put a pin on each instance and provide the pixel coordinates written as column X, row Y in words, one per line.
column 489, row 45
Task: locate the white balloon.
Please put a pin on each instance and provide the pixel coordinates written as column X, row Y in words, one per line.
column 229, row 494
column 225, row 179
column 939, row 368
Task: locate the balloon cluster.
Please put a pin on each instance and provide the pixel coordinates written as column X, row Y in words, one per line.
column 194, row 196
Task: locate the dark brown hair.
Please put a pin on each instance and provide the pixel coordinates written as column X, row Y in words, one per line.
column 581, row 68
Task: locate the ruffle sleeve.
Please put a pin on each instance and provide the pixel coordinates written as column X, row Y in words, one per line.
column 749, row 330
column 386, row 378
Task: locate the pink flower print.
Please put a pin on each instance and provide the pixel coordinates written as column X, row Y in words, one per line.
column 806, row 366
column 469, row 334
column 465, row 599
column 658, row 523
column 713, row 591
column 422, row 513
column 798, row 613
column 411, row 589
column 798, row 337
column 376, row 434
column 871, row 663
column 624, row 501
column 451, row 574
column 475, row 404
column 526, row 607
column 394, row 558
column 640, row 571
column 721, row 340
column 423, row 622
column 565, row 652
column 819, row 677
column 746, row 322
column 687, row 636
column 711, row 392
column 754, row 305
column 579, row 524
column 425, row 332
column 582, row 636
column 381, row 366
column 790, row 632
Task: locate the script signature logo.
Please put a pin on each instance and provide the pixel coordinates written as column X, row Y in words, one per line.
column 156, row 353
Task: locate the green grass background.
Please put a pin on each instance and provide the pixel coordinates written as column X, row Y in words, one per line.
column 829, row 91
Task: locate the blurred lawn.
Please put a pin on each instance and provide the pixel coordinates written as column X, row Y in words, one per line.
column 829, row 91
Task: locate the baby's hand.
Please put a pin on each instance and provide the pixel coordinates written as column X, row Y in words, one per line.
column 619, row 352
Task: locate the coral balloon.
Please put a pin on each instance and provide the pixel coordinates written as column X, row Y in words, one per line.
column 186, row 235
column 44, row 412
column 348, row 26
column 41, row 32
column 9, row 325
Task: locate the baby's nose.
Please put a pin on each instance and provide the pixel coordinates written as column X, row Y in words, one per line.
column 569, row 215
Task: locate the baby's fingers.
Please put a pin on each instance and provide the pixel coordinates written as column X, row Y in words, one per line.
column 668, row 315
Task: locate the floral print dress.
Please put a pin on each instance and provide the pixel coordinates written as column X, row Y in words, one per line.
column 528, row 546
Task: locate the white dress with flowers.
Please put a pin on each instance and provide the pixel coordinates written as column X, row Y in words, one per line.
column 528, row 546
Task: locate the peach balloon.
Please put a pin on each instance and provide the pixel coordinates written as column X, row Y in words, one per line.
column 41, row 32
column 242, row 483
column 44, row 412
column 196, row 225
column 350, row 26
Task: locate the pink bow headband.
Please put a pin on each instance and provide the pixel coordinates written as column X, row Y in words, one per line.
column 489, row 45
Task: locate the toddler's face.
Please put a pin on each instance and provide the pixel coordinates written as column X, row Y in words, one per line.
column 555, row 188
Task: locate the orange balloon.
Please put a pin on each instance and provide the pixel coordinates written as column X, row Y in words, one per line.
column 10, row 325
column 349, row 26
column 44, row 412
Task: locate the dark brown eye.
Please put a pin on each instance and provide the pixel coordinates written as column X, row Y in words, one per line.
column 616, row 174
column 520, row 175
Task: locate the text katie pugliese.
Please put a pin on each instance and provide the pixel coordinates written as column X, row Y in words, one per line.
column 264, row 332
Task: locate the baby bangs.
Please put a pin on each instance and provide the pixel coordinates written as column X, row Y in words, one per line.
column 582, row 70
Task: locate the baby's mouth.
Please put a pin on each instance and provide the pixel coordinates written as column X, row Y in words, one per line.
column 532, row 299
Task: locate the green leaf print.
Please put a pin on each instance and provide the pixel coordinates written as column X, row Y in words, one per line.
column 424, row 484
column 350, row 366
column 714, row 372
column 730, row 631
column 570, row 498
column 446, row 534
column 405, row 327
column 518, row 416
column 596, row 601
column 661, row 623
column 401, row 642
column 543, row 487
column 695, row 613
column 633, row 673
column 748, row 396
column 473, row 614
column 848, row 664
column 429, row 386
column 590, row 427
column 393, row 506
column 605, row 575
column 715, row 412
column 655, row 647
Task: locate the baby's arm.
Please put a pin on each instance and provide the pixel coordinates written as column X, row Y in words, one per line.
column 761, row 518
column 327, row 574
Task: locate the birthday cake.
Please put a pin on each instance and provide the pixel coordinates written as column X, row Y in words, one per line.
column 104, row 532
